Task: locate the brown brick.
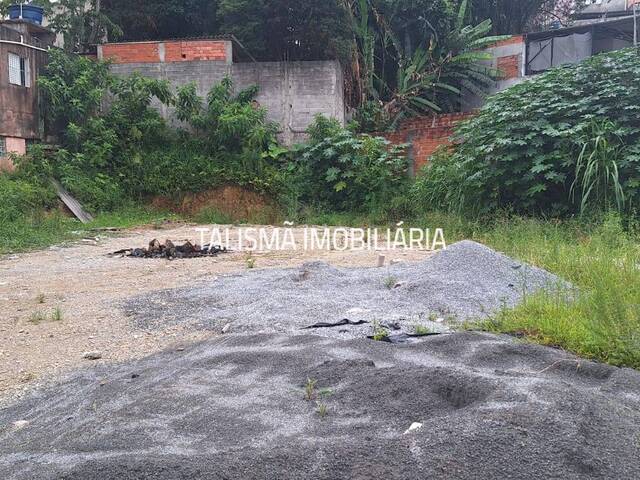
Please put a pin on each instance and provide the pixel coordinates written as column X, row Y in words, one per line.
column 509, row 66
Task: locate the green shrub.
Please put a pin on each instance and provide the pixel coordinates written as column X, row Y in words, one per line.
column 521, row 151
column 342, row 171
column 21, row 199
column 122, row 149
column 439, row 184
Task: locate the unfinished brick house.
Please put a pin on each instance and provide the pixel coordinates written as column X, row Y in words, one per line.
column 292, row 92
column 23, row 52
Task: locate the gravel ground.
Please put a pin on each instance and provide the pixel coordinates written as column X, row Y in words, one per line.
column 465, row 282
column 234, row 407
column 84, row 283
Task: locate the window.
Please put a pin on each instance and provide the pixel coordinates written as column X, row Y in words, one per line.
column 3, row 147
column 19, row 70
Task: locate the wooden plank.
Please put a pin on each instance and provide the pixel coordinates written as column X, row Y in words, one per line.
column 71, row 203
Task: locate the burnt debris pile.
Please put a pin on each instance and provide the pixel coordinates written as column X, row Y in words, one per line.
column 170, row 250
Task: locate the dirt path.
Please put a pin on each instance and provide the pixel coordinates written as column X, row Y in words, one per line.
column 81, row 282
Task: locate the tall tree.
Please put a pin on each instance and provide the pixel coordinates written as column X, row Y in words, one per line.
column 288, row 29
column 82, row 23
column 520, row 16
column 163, row 19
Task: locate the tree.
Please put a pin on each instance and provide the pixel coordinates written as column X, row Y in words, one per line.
column 82, row 24
column 288, row 29
column 520, row 16
column 433, row 76
column 163, row 19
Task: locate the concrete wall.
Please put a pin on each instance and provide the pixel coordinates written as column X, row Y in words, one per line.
column 292, row 92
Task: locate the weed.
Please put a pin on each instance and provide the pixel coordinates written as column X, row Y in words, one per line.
column 37, row 318
column 390, row 282
column 250, row 261
column 56, row 316
column 40, row 298
column 322, row 409
column 310, row 389
column 325, row 392
column 379, row 332
column 421, row 330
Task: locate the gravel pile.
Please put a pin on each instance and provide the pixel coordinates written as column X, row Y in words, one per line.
column 464, row 406
column 465, row 282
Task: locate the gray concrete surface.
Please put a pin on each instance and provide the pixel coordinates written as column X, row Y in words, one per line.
column 234, row 408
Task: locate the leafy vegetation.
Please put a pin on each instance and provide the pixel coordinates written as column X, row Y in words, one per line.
column 531, row 143
column 416, row 74
column 344, row 171
column 127, row 151
column 518, row 16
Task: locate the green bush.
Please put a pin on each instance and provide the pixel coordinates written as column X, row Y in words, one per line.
column 21, row 198
column 342, row 171
column 521, row 151
column 116, row 148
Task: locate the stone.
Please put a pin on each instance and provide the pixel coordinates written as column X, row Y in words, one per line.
column 414, row 426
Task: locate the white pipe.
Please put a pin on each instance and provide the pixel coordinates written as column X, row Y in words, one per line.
column 9, row 42
column 635, row 25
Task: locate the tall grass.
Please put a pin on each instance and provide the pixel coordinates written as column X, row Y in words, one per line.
column 602, row 320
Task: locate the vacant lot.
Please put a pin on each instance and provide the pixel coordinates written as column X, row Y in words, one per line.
column 59, row 303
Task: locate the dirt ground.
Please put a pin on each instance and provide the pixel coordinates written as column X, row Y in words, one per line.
column 81, row 282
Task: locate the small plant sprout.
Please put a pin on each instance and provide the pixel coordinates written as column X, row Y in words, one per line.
column 310, row 389
column 56, row 316
column 421, row 330
column 37, row 318
column 250, row 261
column 322, row 409
column 325, row 392
column 390, row 282
column 379, row 332
column 40, row 298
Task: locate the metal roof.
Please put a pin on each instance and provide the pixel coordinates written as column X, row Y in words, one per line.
column 582, row 26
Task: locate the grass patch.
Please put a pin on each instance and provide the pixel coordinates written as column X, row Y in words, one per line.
column 41, row 229
column 390, row 282
column 421, row 330
column 213, row 216
column 600, row 322
column 379, row 333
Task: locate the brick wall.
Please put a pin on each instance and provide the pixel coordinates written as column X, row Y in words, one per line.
column 509, row 66
column 425, row 135
column 165, row 52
